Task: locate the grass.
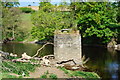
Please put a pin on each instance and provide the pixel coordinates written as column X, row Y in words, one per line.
column 6, row 75
column 53, row 76
column 26, row 21
column 48, row 75
column 86, row 75
column 26, row 25
column 18, row 68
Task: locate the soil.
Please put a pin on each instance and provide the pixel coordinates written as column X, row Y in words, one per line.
column 41, row 70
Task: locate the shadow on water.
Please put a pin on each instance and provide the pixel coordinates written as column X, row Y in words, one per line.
column 105, row 62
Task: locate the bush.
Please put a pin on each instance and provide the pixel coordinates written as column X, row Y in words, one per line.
column 27, row 10
column 43, row 76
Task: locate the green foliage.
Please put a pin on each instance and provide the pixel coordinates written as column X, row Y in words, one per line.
column 43, row 76
column 97, row 21
column 8, row 4
column 45, row 23
column 48, row 75
column 94, row 18
column 27, row 10
column 46, row 6
column 53, row 76
column 5, row 75
column 25, row 27
column 17, row 68
column 11, row 21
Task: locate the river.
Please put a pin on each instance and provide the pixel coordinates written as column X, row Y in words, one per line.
column 105, row 62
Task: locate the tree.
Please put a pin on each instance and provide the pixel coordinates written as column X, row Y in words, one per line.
column 6, row 3
column 46, row 6
column 46, row 22
column 94, row 19
column 11, row 20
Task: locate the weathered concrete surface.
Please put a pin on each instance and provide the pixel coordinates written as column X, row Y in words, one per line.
column 67, row 46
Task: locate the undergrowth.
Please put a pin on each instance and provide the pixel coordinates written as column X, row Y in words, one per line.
column 48, row 75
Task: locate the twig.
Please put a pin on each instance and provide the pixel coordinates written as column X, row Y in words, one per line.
column 86, row 60
column 66, row 61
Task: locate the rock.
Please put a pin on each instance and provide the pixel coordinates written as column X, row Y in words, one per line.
column 74, row 68
column 45, row 62
column 13, row 55
column 25, row 56
column 112, row 43
column 118, row 45
column 59, row 65
column 4, row 53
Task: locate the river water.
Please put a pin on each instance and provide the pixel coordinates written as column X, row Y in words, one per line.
column 105, row 62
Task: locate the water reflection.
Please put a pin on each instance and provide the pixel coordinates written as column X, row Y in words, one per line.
column 113, row 70
column 105, row 62
column 30, row 49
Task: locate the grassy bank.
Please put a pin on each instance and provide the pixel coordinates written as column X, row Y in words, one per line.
column 21, row 70
column 81, row 74
column 16, row 69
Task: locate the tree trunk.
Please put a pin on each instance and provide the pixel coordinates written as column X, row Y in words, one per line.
column 13, row 32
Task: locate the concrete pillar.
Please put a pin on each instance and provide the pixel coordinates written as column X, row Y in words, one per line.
column 67, row 45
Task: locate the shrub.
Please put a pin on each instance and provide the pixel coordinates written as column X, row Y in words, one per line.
column 27, row 10
column 43, row 76
column 53, row 76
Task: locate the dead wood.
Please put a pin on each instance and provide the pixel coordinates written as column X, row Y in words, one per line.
column 20, row 60
column 71, row 60
column 41, row 49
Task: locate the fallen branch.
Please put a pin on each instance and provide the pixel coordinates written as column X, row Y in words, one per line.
column 41, row 48
column 84, row 60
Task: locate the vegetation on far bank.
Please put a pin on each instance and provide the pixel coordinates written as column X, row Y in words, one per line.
column 97, row 22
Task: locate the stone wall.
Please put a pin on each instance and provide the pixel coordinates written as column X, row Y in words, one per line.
column 67, row 46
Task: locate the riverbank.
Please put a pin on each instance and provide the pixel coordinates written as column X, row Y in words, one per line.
column 101, row 58
column 33, row 68
column 39, row 72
